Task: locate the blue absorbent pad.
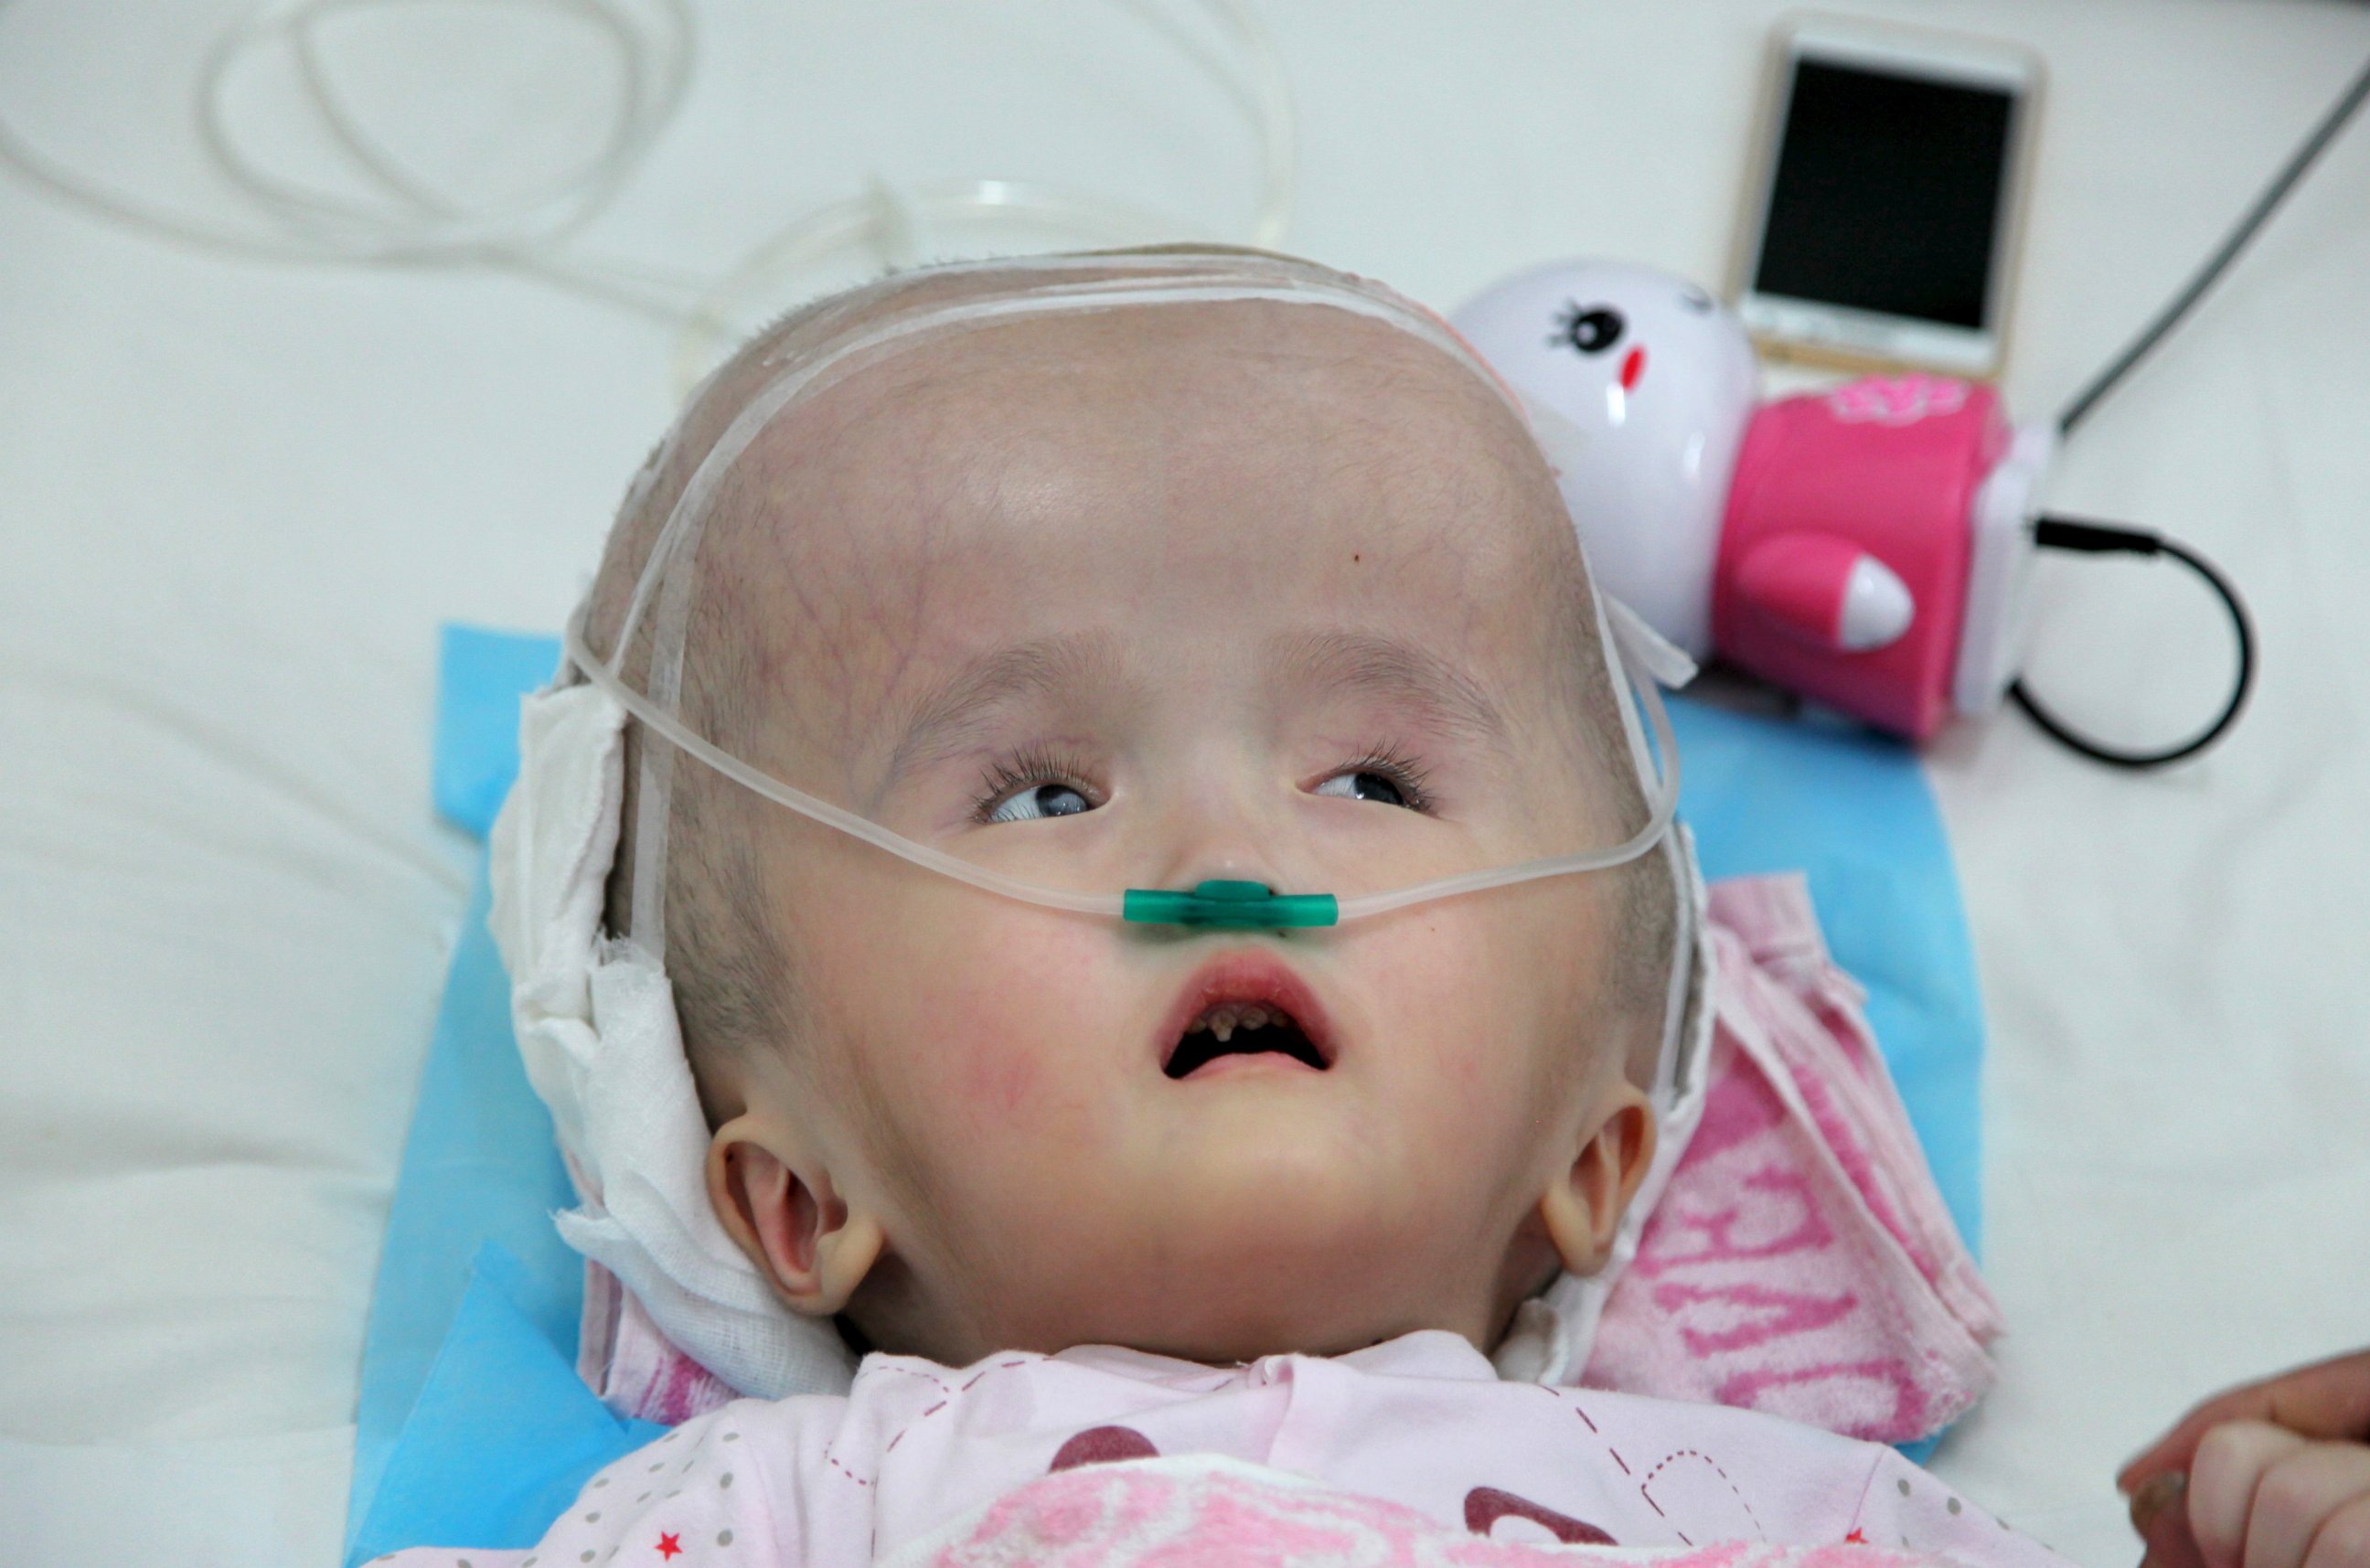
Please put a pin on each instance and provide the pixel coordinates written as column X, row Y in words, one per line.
column 473, row 1428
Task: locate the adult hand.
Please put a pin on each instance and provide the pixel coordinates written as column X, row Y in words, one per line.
column 2275, row 1474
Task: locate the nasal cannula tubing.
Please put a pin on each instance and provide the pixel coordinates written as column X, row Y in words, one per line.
column 1039, row 285
column 1210, row 904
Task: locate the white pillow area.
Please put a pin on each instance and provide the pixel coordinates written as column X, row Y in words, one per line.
column 238, row 498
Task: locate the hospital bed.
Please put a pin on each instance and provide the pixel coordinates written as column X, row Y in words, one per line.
column 237, row 499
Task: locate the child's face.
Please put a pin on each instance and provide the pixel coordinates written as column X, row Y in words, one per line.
column 1138, row 600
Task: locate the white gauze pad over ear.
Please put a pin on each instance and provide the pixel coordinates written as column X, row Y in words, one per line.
column 596, row 1027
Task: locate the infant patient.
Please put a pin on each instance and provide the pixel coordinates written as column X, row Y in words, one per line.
column 1188, row 580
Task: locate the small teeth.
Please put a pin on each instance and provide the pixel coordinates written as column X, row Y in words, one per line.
column 1226, row 1017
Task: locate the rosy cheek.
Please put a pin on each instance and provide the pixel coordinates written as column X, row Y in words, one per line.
column 1010, row 1012
column 998, row 1079
column 1448, row 984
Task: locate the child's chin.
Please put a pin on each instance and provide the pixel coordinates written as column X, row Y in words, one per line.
column 1295, row 1220
column 1245, row 1172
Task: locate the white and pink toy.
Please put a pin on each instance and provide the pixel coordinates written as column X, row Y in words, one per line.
column 1868, row 547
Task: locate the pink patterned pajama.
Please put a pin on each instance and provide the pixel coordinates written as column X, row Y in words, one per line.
column 1411, row 1452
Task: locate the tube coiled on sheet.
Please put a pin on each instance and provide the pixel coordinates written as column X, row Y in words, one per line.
column 398, row 219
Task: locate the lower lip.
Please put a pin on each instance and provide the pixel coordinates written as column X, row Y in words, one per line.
column 1244, row 1062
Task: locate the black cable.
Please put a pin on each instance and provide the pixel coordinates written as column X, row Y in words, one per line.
column 2073, row 533
column 2170, row 317
column 2069, row 534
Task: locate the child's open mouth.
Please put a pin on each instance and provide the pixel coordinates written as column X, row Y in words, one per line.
column 1241, row 1008
column 1241, row 1029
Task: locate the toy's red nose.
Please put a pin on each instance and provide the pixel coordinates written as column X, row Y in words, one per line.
column 1633, row 366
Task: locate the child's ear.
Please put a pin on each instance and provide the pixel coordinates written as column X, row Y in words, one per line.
column 780, row 1207
column 1586, row 1200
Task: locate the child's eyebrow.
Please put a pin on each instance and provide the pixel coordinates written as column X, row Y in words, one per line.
column 948, row 716
column 1440, row 696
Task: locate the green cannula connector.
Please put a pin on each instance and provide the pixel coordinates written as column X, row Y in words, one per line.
column 1245, row 905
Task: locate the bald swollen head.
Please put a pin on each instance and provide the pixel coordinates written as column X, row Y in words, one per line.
column 849, row 528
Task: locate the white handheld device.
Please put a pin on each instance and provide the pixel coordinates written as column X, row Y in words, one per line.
column 1884, row 209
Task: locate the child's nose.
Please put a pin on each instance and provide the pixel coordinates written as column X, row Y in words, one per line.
column 1224, row 827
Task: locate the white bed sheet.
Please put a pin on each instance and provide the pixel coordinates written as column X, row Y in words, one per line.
column 237, row 498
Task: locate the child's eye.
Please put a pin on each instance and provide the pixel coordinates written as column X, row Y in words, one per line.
column 1363, row 786
column 1039, row 800
column 1031, row 786
column 1386, row 780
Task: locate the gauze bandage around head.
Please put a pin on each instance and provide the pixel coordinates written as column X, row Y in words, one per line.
column 595, row 1015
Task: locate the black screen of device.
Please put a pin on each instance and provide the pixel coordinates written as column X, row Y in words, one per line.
column 1887, row 193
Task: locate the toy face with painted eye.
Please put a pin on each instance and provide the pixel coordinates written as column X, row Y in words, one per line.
column 1606, row 326
column 1590, row 329
column 1655, row 380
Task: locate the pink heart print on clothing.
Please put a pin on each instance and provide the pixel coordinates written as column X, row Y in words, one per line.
column 1103, row 1446
column 1485, row 1506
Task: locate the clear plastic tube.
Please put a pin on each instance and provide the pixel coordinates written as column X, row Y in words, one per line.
column 396, row 219
column 1157, row 282
column 1663, row 812
column 676, row 733
column 1665, row 798
column 664, row 590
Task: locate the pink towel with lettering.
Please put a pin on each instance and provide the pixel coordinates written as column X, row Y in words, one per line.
column 1800, row 1261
